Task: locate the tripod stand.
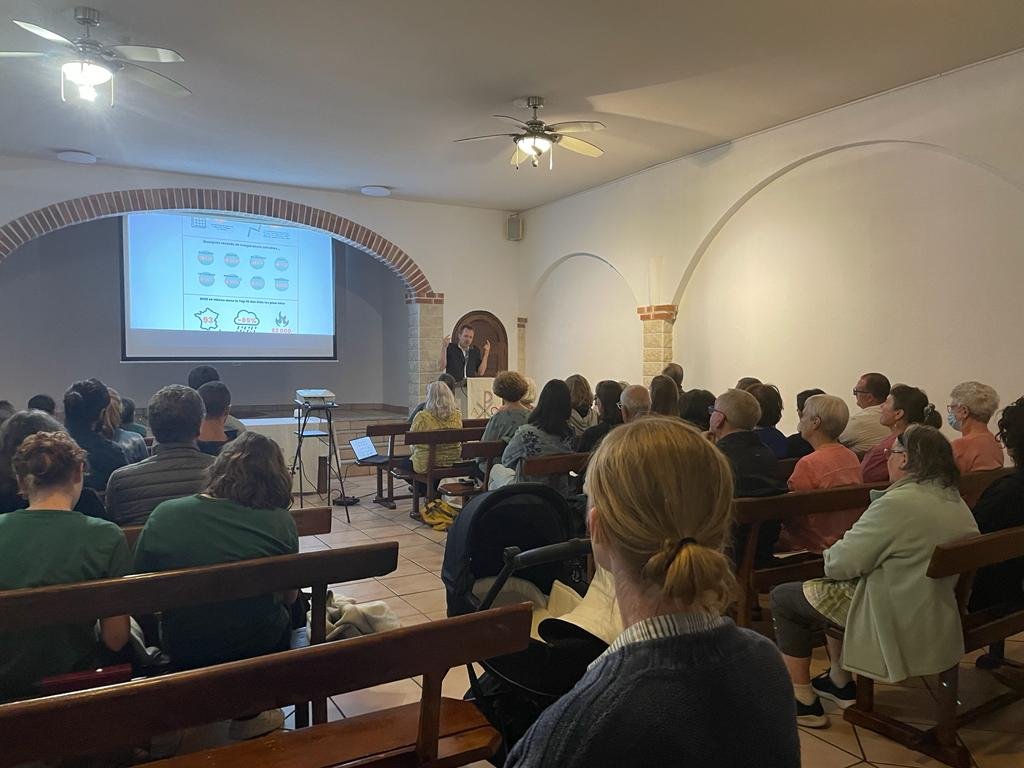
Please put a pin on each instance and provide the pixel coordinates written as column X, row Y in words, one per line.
column 302, row 414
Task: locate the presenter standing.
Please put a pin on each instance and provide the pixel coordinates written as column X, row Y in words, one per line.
column 462, row 360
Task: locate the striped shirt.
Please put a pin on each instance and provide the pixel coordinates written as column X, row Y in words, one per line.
column 657, row 627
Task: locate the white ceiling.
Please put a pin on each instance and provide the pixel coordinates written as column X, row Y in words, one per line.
column 341, row 93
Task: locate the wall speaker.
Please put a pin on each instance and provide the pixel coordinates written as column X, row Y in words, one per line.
column 514, row 227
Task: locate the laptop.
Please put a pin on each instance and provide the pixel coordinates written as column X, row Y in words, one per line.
column 363, row 448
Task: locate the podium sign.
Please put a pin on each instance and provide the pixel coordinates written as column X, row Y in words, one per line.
column 482, row 402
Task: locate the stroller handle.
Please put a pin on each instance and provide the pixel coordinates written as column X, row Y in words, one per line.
column 565, row 550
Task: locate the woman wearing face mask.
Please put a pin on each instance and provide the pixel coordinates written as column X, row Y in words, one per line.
column 971, row 406
column 904, row 406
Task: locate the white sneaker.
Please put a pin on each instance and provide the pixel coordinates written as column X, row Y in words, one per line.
column 262, row 724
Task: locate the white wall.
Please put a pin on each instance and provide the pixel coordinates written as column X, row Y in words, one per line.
column 62, row 313
column 462, row 251
column 881, row 235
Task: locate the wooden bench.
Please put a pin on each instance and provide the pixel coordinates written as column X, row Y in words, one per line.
column 384, row 467
column 753, row 513
column 981, row 628
column 473, row 423
column 554, row 464
column 435, row 732
column 434, row 473
column 474, row 451
column 149, row 593
column 309, row 521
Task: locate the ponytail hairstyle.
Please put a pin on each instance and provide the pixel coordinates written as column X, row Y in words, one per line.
column 47, row 460
column 84, row 402
column 671, row 528
column 110, row 419
column 915, row 406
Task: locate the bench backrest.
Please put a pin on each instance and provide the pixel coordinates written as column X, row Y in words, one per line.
column 309, row 521
column 554, row 464
column 475, row 422
column 151, row 592
column 54, row 726
column 442, row 436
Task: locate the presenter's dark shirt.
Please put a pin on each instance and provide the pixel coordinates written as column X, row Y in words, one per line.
column 460, row 366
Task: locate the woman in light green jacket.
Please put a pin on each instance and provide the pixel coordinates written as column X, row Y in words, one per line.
column 899, row 623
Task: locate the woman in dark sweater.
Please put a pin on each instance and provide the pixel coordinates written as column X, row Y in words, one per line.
column 1002, row 506
column 675, row 687
column 84, row 404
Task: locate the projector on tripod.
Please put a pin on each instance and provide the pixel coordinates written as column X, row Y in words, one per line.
column 314, row 397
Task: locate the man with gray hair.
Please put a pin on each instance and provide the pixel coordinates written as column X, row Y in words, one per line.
column 755, row 468
column 634, row 402
column 971, row 407
column 176, row 468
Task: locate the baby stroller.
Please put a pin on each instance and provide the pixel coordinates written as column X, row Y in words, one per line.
column 485, row 565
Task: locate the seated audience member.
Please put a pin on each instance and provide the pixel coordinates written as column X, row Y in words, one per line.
column 531, row 393
column 12, row 434
column 830, row 465
column 675, row 372
column 547, row 431
column 1002, row 506
column 84, row 405
column 971, row 407
column 49, row 543
column 634, row 403
column 510, row 387
column 770, row 400
column 582, row 416
column 606, row 402
column 660, row 694
column 899, row 622
column 213, row 434
column 175, row 469
column 747, row 382
column 128, row 417
column 6, row 410
column 904, row 406
column 864, row 430
column 441, row 412
column 755, row 469
column 241, row 514
column 695, row 408
column 43, row 403
column 664, row 397
column 796, row 446
column 131, row 443
column 204, row 373
column 447, row 379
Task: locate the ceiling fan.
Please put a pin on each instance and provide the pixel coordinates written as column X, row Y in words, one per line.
column 88, row 63
column 535, row 137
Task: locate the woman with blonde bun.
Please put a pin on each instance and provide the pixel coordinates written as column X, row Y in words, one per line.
column 682, row 685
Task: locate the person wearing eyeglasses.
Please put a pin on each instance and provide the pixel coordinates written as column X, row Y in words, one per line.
column 865, row 429
column 634, row 403
column 971, row 407
column 904, row 406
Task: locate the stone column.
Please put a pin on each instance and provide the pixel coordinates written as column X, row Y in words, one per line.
column 658, row 320
column 426, row 329
column 521, row 345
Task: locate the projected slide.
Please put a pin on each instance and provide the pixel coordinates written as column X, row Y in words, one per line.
column 201, row 286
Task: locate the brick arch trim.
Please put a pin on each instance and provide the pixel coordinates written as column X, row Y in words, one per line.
column 103, row 204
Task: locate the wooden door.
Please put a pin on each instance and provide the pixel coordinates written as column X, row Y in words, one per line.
column 487, row 327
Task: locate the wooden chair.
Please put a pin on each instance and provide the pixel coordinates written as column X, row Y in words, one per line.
column 433, row 733
column 963, row 559
column 490, row 452
column 309, row 521
column 390, row 431
column 434, row 473
column 153, row 592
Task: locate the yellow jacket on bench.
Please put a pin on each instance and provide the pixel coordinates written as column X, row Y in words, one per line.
column 445, row 454
column 901, row 623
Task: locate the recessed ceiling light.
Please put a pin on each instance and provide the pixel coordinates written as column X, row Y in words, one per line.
column 74, row 156
column 374, row 190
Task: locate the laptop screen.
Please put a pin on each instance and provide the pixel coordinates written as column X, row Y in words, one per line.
column 363, row 447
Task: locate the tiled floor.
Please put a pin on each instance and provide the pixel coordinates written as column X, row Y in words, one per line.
column 415, row 592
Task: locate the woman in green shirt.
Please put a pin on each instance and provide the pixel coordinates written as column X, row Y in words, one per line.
column 49, row 543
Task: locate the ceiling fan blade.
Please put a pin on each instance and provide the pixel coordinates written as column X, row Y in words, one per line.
column 146, row 53
column 22, row 55
column 488, row 136
column 579, row 146
column 44, row 33
column 509, row 117
column 155, row 80
column 576, row 126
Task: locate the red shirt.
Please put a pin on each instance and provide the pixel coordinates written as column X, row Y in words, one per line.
column 874, row 468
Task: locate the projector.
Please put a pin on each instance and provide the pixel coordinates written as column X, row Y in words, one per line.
column 314, row 396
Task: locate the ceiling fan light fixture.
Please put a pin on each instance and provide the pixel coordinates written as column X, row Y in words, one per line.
column 86, row 73
column 533, row 146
